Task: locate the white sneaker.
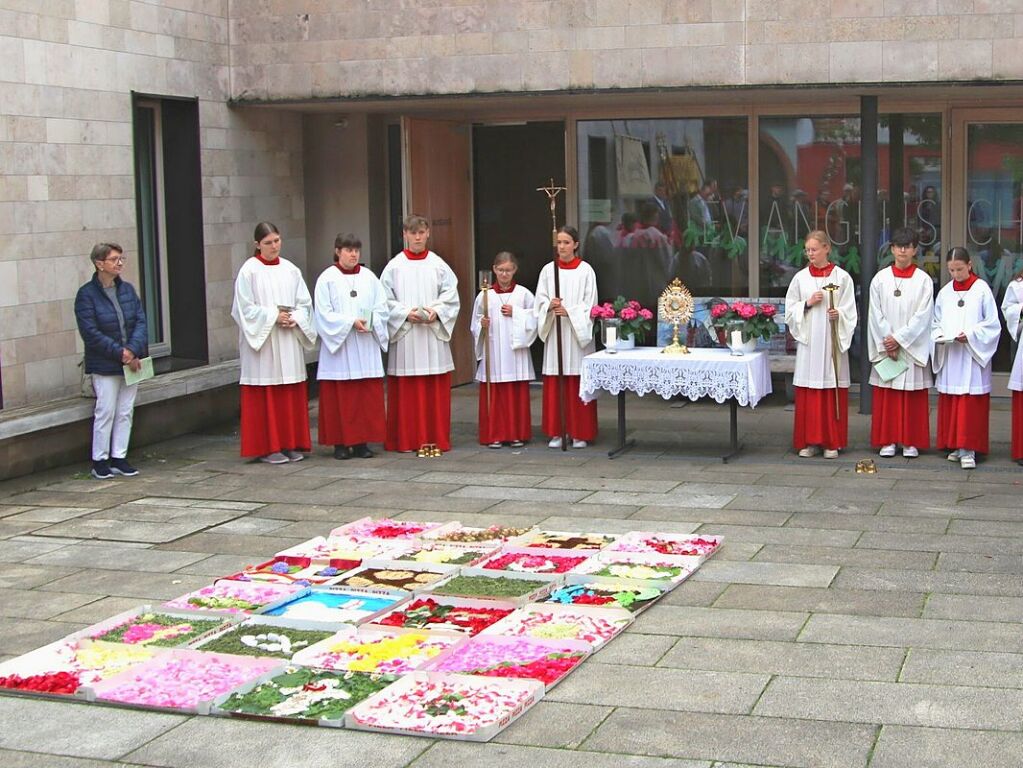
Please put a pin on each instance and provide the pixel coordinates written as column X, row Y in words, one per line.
column 968, row 460
column 887, row 451
column 274, row 458
column 579, row 443
column 494, row 445
column 830, row 453
column 910, row 452
column 809, row 451
column 555, row 442
column 516, row 444
column 955, row 455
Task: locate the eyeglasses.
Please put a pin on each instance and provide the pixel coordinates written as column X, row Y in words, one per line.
column 115, row 259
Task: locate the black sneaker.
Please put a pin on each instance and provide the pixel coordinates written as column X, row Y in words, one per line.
column 342, row 452
column 362, row 451
column 101, row 470
column 122, row 467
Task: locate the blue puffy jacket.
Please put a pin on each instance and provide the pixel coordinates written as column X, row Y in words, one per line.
column 97, row 324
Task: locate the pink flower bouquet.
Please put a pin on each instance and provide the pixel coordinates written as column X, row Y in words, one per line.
column 635, row 319
column 755, row 321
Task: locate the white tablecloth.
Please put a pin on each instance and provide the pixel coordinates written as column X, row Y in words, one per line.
column 702, row 373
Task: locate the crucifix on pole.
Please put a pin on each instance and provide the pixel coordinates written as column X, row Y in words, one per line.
column 552, row 193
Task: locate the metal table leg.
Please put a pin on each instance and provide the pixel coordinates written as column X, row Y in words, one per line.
column 733, row 430
column 623, row 444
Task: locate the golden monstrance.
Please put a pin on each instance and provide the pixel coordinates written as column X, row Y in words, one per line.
column 675, row 306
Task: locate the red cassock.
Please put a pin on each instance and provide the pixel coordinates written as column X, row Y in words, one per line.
column 1017, row 425
column 580, row 417
column 815, row 422
column 900, row 416
column 418, row 412
column 352, row 412
column 274, row 418
column 963, row 422
column 507, row 418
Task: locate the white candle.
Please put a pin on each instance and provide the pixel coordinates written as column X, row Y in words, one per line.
column 611, row 337
column 736, row 338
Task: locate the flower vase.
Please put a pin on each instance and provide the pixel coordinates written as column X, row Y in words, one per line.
column 626, row 342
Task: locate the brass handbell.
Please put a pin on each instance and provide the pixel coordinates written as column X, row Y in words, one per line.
column 428, row 451
column 866, row 467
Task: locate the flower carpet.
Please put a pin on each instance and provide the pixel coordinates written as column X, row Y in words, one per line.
column 394, row 626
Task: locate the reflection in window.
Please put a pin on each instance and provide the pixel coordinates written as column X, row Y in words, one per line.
column 664, row 198
column 810, row 177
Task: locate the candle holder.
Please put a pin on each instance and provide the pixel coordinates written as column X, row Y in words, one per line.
column 611, row 329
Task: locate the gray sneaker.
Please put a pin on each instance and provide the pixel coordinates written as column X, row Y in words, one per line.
column 294, row 455
column 274, row 458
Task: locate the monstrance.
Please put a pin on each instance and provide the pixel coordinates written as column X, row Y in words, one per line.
column 675, row 306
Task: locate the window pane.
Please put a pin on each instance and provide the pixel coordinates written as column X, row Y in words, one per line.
column 148, row 234
column 661, row 199
column 811, row 176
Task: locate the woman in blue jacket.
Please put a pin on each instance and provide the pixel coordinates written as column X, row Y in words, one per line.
column 113, row 326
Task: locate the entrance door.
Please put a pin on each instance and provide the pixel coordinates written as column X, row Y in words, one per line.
column 437, row 156
column 987, row 204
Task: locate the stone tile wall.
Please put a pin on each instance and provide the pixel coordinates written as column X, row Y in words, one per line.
column 67, row 174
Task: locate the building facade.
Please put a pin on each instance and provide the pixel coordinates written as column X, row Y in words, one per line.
column 173, row 126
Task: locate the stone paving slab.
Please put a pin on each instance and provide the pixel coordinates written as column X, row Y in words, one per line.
column 33, row 604
column 723, row 516
column 849, row 662
column 446, row 754
column 555, row 724
column 663, row 619
column 12, row 759
column 967, row 607
column 917, row 633
column 816, row 600
column 116, row 558
column 933, row 581
column 778, row 574
column 899, row 747
column 50, row 514
column 121, row 530
column 26, row 576
column 146, row 586
column 880, row 523
column 26, row 635
column 843, row 556
column 757, row 740
column 979, row 563
column 996, row 670
column 1009, row 529
column 923, row 543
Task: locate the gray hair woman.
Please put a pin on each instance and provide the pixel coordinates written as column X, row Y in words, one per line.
column 112, row 324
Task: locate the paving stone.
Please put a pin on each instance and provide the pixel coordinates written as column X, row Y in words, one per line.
column 535, row 494
column 253, row 525
column 541, row 510
column 25, row 635
column 554, row 724
column 333, row 514
column 609, row 484
column 698, row 593
column 811, row 537
column 976, row 607
column 117, row 558
column 635, row 648
column 9, row 527
column 984, row 528
column 202, row 741
column 609, row 525
column 408, row 503
column 923, row 542
column 866, row 558
column 267, row 495
column 638, row 499
column 490, row 479
column 18, row 551
column 756, row 740
column 85, row 731
column 214, row 544
column 933, row 706
column 100, row 609
column 446, row 754
column 22, row 576
column 815, row 600
column 6, row 510
column 899, row 747
column 996, row 670
column 756, row 491
column 916, row 633
column 367, row 471
column 979, row 563
column 954, row 511
column 35, row 604
column 657, row 688
column 12, row 759
column 198, row 516
column 791, row 575
column 147, row 586
column 720, row 622
column 848, row 662
column 856, row 522
column 480, row 520
column 724, row 516
column 122, row 530
column 811, row 504
column 50, row 514
column 929, row 581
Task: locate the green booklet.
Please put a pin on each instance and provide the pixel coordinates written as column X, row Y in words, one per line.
column 887, row 369
column 144, row 372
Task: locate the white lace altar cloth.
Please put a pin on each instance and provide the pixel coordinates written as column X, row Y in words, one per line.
column 702, row 373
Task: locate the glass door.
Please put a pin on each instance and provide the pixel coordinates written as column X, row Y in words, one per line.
column 987, row 204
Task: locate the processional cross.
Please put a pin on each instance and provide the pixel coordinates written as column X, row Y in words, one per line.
column 552, row 193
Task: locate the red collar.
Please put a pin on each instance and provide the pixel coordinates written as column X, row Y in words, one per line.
column 416, row 256
column 353, row 271
column 907, row 272
column 966, row 284
column 571, row 264
column 498, row 289
column 821, row 271
column 273, row 263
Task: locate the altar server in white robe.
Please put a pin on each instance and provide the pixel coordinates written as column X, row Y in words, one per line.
column 1012, row 309
column 572, row 309
column 504, row 336
column 274, row 313
column 899, row 328
column 810, row 317
column 351, row 319
column 964, row 335
column 422, row 303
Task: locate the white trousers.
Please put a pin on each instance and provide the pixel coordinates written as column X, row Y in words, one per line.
column 111, row 427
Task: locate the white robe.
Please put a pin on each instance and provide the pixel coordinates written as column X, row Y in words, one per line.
column 907, row 318
column 345, row 353
column 964, row 369
column 269, row 354
column 578, row 296
column 812, row 330
column 510, row 337
column 420, row 349
column 1012, row 308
